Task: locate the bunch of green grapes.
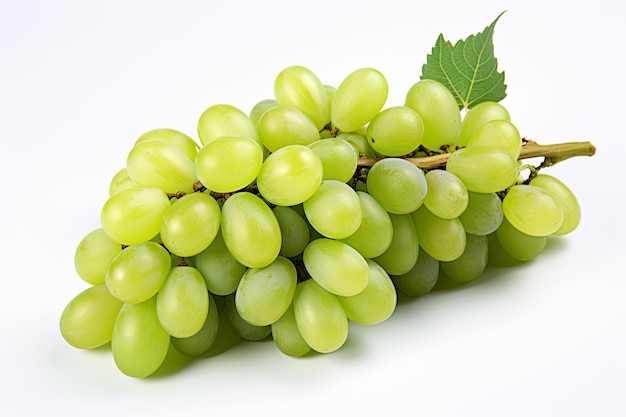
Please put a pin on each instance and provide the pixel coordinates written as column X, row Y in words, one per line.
column 269, row 221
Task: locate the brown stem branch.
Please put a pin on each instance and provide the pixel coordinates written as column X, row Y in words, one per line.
column 551, row 153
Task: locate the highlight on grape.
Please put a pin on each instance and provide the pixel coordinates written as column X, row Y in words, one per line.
column 313, row 210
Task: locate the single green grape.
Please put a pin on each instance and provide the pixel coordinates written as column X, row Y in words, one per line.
column 299, row 87
column 134, row 215
column 359, row 142
column 87, row 320
column 532, row 210
column 264, row 294
column 182, row 303
column 320, row 317
column 396, row 131
column 483, row 214
column 447, row 196
column 443, row 239
column 290, row 175
column 438, row 110
column 398, row 185
column 93, row 256
column 359, row 98
column 153, row 163
column 190, row 224
column 334, row 210
column 228, row 163
column 282, row 126
column 138, row 272
column 250, row 230
column 139, row 343
column 336, row 266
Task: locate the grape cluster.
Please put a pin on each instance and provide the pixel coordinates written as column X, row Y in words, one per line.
column 274, row 222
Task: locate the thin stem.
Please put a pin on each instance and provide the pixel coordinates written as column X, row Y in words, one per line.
column 552, row 154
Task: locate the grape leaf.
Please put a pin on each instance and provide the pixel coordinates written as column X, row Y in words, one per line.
column 469, row 68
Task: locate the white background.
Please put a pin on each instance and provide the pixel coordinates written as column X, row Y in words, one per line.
column 81, row 80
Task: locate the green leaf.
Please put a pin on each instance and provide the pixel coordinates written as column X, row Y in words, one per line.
column 469, row 68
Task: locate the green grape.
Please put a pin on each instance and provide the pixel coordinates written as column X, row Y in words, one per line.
column 483, row 169
column 320, row 317
column 402, row 253
column 190, row 224
column 138, row 272
column 359, row 142
column 472, row 263
column 339, row 158
column 224, row 119
column 202, row 341
column 182, row 304
column 93, row 256
column 228, row 163
column 294, row 231
column 334, row 210
column 264, row 294
column 498, row 134
column 287, row 337
column 174, row 137
column 398, row 185
column 376, row 302
column 479, row 115
column 447, row 196
column 532, row 210
column 154, row 163
column 565, row 197
column 483, row 214
column 139, row 343
column 120, row 181
column 87, row 320
column 359, row 98
column 374, row 235
column 336, row 266
column 438, row 110
column 282, row 126
column 396, row 131
column 443, row 239
column 519, row 245
column 250, row 230
column 421, row 279
column 290, row 175
column 244, row 329
column 220, row 270
column 299, row 87
column 260, row 108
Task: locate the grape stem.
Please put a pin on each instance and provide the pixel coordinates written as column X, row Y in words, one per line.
column 552, row 154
